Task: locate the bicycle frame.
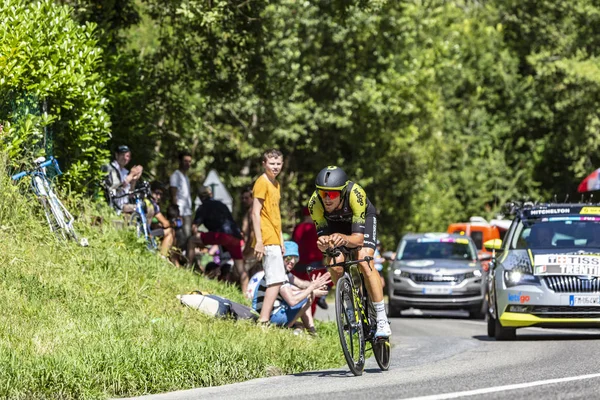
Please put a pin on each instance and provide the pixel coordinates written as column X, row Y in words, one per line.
column 42, row 188
column 361, row 322
column 139, row 195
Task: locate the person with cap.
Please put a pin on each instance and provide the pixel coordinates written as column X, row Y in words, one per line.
column 120, row 181
column 222, row 230
column 295, row 295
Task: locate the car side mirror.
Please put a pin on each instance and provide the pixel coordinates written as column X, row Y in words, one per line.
column 494, row 244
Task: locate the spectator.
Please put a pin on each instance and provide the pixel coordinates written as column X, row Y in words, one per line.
column 294, row 295
column 163, row 228
column 181, row 195
column 176, row 223
column 119, row 181
column 266, row 222
column 305, row 234
column 247, row 231
column 222, row 230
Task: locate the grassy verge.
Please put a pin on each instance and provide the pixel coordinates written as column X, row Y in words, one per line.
column 103, row 321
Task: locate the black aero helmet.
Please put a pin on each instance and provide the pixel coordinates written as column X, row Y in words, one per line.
column 331, row 178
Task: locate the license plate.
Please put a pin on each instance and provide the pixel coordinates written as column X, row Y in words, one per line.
column 437, row 290
column 584, row 300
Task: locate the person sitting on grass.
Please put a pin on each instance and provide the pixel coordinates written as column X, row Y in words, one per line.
column 162, row 228
column 295, row 295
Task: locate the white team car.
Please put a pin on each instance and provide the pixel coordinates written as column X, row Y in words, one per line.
column 547, row 270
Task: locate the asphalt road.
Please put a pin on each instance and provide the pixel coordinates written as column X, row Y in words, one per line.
column 445, row 356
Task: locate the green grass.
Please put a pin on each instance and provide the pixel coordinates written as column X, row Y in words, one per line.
column 103, row 321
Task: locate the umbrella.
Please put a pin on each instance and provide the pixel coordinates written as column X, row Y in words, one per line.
column 591, row 182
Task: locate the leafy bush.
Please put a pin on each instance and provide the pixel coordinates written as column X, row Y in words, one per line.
column 52, row 89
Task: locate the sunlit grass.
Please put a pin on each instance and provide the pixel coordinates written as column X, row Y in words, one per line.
column 103, row 321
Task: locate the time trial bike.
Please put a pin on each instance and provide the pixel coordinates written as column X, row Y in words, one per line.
column 355, row 314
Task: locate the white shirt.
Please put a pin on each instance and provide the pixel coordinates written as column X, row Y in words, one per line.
column 184, row 199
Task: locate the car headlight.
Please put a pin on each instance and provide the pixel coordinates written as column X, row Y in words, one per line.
column 474, row 274
column 401, row 274
column 515, row 277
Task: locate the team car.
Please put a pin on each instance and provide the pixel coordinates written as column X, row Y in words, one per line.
column 437, row 271
column 547, row 271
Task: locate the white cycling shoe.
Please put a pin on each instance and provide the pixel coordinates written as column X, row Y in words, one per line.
column 383, row 329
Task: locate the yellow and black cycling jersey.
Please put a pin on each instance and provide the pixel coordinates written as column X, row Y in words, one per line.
column 355, row 214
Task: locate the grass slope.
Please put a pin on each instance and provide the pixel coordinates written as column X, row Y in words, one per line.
column 103, row 321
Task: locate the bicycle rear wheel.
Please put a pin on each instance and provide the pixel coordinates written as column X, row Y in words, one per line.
column 381, row 347
column 350, row 330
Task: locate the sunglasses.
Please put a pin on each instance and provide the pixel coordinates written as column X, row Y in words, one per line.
column 291, row 259
column 332, row 194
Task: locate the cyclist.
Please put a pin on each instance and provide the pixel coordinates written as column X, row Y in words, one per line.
column 344, row 216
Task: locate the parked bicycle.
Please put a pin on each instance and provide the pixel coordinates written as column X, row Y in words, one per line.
column 57, row 216
column 355, row 314
column 139, row 218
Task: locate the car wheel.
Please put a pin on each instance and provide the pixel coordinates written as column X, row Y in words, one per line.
column 491, row 326
column 393, row 310
column 502, row 333
column 477, row 314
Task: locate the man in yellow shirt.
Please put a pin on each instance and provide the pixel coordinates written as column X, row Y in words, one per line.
column 266, row 221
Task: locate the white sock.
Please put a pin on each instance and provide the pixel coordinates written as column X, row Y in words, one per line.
column 380, row 310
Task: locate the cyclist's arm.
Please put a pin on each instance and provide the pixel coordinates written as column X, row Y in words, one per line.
column 317, row 213
column 358, row 204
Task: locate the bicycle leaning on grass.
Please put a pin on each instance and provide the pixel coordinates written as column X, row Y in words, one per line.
column 58, row 217
column 355, row 314
column 138, row 219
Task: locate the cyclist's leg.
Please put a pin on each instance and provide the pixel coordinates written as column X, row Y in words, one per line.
column 371, row 275
column 336, row 272
column 372, row 279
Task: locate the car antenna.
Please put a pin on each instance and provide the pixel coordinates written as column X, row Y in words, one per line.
column 567, row 198
column 555, row 199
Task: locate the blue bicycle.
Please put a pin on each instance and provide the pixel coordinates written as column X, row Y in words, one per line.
column 58, row 217
column 138, row 219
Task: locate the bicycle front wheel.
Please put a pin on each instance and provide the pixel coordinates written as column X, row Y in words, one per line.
column 350, row 330
column 381, row 347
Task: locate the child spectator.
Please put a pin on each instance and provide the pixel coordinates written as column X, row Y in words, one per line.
column 266, row 221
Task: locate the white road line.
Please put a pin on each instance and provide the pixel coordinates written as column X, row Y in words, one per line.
column 495, row 389
column 546, row 330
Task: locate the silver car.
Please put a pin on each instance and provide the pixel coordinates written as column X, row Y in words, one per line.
column 547, row 273
column 436, row 271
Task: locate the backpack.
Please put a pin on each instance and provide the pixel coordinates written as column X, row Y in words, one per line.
column 217, row 306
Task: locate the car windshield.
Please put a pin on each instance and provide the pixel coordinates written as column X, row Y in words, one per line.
column 459, row 249
column 557, row 232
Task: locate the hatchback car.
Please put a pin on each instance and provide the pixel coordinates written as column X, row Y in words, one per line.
column 547, row 273
column 436, row 271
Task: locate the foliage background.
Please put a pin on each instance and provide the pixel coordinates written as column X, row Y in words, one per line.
column 441, row 109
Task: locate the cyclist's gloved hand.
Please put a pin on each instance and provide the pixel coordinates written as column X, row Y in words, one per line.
column 337, row 240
